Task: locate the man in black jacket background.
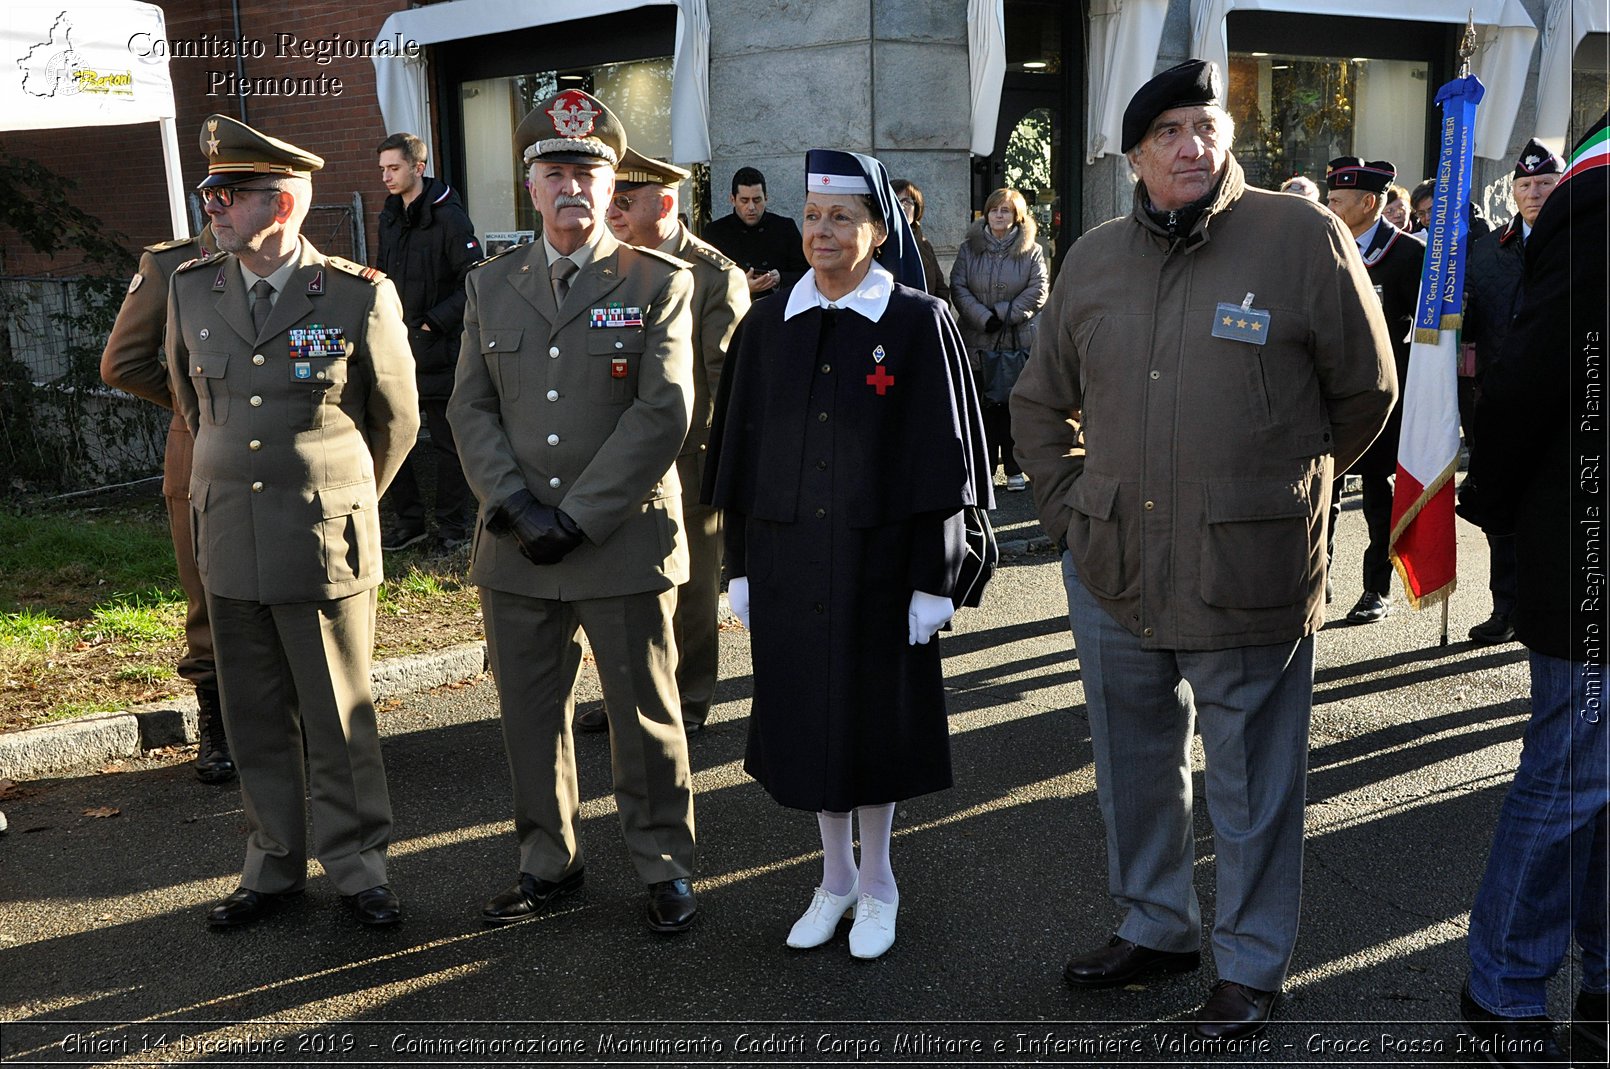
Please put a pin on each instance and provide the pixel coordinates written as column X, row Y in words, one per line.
column 427, row 243
column 768, row 246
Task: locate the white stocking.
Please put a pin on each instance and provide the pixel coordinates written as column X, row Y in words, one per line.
column 838, row 852
column 877, row 875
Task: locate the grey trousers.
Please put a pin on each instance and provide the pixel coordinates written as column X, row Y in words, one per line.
column 288, row 673
column 1252, row 704
column 534, row 647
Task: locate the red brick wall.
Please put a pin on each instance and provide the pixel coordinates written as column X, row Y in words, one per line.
column 119, row 169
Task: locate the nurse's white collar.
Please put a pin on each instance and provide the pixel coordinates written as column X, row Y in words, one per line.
column 870, row 298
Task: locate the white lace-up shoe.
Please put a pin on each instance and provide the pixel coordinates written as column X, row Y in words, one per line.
column 821, row 918
column 873, row 931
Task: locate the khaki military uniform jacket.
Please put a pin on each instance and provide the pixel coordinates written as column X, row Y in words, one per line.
column 131, row 362
column 587, row 409
column 298, row 432
column 720, row 299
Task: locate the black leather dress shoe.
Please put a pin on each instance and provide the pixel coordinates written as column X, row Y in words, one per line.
column 377, row 907
column 1493, row 631
column 1234, row 1011
column 1371, row 608
column 1122, row 962
column 671, row 905
column 1513, row 1042
column 528, row 898
column 245, row 906
column 592, row 719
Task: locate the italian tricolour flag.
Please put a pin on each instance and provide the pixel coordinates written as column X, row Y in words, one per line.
column 1422, row 542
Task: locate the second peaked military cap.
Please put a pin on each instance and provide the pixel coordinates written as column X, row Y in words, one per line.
column 1351, row 172
column 235, row 153
column 636, row 169
column 1184, row 85
column 571, row 127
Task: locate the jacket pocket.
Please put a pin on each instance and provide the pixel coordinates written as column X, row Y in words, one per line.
column 501, row 351
column 613, row 357
column 349, row 528
column 207, row 371
column 1259, row 544
column 315, row 383
column 1095, row 535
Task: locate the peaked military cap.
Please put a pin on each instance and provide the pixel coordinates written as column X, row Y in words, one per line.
column 571, row 127
column 1351, row 172
column 636, row 169
column 1536, row 159
column 1185, row 85
column 235, row 152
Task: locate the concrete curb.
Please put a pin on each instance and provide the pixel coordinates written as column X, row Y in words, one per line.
column 85, row 741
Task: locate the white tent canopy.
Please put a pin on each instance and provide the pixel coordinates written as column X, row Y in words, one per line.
column 986, row 70
column 403, row 87
column 1505, row 35
column 1124, row 38
column 1567, row 22
column 95, row 63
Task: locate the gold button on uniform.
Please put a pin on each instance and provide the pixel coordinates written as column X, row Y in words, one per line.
column 1146, row 632
column 257, row 358
column 553, row 439
column 257, row 402
column 1149, row 506
column 553, row 395
column 554, row 351
column 254, row 445
column 257, row 488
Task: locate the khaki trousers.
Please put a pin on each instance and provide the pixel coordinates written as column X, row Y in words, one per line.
column 294, row 674
column 698, row 601
column 534, row 647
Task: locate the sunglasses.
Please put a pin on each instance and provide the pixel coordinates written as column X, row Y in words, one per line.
column 225, row 195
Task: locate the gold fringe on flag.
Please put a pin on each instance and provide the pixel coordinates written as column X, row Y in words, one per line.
column 1398, row 528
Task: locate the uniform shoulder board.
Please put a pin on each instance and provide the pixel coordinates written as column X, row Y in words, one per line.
column 188, row 264
column 496, row 255
column 711, row 255
column 169, row 246
column 663, row 257
column 368, row 274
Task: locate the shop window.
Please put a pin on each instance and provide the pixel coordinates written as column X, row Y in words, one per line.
column 638, row 92
column 1590, row 85
column 1296, row 113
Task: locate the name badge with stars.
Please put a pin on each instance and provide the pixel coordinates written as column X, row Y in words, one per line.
column 615, row 315
column 1240, row 322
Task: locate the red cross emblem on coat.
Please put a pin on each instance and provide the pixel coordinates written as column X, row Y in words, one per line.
column 880, row 380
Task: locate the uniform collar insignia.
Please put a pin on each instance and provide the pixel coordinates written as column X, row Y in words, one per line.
column 315, row 285
column 220, row 279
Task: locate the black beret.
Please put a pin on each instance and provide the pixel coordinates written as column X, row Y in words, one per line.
column 1184, row 85
column 1537, row 159
column 1351, row 172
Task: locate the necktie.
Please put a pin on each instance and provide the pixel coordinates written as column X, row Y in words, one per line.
column 261, row 304
column 560, row 272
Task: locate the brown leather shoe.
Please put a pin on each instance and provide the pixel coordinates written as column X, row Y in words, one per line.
column 1122, row 962
column 1234, row 1011
column 593, row 718
column 671, row 906
column 529, row 897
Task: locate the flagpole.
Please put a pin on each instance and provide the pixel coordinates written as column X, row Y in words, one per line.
column 1444, row 641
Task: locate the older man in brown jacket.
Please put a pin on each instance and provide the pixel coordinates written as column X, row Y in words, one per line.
column 1206, row 362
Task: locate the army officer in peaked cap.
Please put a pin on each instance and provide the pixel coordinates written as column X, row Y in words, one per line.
column 643, row 212
column 293, row 372
column 570, row 406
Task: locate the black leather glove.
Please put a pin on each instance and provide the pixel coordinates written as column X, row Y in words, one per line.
column 545, row 534
column 993, row 323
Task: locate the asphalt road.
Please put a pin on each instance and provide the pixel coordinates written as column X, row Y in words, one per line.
column 104, row 957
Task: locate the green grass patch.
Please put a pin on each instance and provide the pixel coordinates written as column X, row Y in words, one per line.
column 62, row 563
column 32, row 629
column 69, row 710
column 144, row 673
column 139, row 618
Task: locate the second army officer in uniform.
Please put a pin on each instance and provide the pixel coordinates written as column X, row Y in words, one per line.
column 292, row 370
column 571, row 403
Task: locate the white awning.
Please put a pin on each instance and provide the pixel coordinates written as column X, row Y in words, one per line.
column 1505, row 35
column 403, row 88
column 986, row 70
column 1567, row 22
column 98, row 63
column 1124, row 39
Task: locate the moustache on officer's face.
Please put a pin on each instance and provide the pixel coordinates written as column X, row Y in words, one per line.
column 570, row 200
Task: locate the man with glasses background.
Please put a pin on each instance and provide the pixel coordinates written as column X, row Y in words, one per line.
column 293, row 372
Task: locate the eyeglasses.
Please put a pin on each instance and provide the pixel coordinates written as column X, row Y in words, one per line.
column 622, row 202
column 225, row 195
column 908, row 202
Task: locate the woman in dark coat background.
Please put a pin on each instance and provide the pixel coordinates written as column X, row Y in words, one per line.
column 847, row 441
column 912, row 205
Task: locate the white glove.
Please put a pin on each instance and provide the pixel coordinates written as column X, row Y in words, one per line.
column 738, row 599
column 927, row 614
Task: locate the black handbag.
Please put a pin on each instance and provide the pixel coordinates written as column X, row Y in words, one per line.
column 1000, row 368
column 979, row 561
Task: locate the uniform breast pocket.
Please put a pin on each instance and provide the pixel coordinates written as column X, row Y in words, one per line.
column 207, row 372
column 316, row 384
column 501, row 351
column 613, row 359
